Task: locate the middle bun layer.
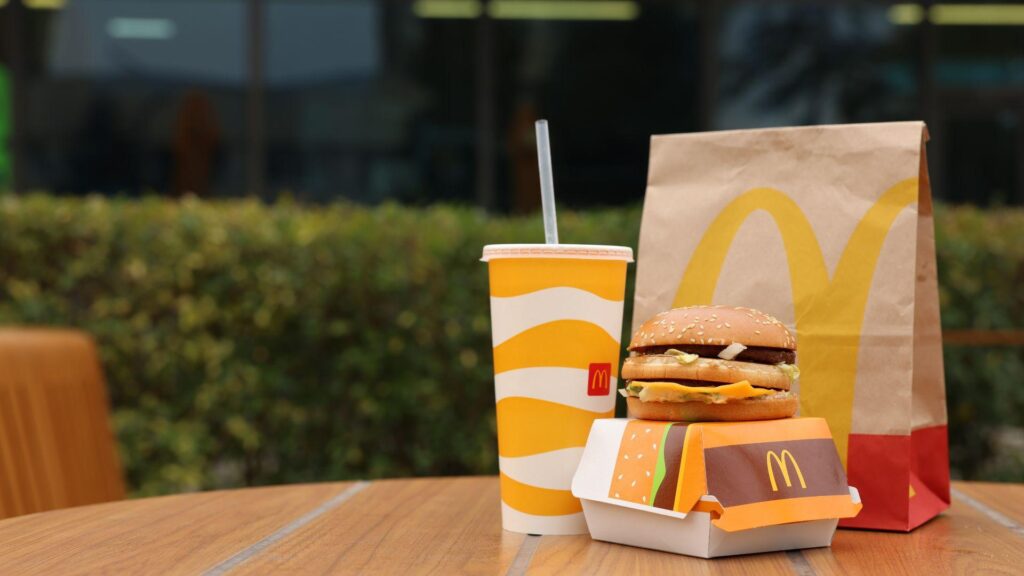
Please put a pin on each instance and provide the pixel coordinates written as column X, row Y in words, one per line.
column 665, row 367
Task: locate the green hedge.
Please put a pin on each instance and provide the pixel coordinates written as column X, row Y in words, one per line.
column 981, row 286
column 254, row 344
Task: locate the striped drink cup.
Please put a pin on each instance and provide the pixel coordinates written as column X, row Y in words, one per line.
column 556, row 318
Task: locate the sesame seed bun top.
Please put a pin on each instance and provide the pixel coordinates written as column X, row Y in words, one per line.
column 713, row 326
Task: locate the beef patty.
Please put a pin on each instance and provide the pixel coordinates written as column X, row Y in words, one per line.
column 757, row 354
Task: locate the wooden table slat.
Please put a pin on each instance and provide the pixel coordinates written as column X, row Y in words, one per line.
column 436, row 525
column 962, row 540
column 1006, row 499
column 185, row 534
column 581, row 555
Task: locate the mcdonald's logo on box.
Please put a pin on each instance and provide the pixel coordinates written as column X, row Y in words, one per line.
column 784, row 468
column 599, row 380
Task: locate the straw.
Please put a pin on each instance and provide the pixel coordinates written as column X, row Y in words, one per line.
column 547, row 183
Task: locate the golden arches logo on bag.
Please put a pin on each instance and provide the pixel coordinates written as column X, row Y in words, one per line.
column 780, row 461
column 829, row 312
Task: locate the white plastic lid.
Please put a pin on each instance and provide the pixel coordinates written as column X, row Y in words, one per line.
column 574, row 251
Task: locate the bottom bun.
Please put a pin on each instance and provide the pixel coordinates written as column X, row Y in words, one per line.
column 734, row 411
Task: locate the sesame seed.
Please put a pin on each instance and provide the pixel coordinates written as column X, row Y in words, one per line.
column 757, row 331
column 648, row 472
column 639, row 456
column 616, row 494
column 645, row 497
column 727, row 325
column 625, row 456
column 634, row 437
column 692, row 340
column 620, row 476
column 633, row 483
column 647, row 431
column 671, row 329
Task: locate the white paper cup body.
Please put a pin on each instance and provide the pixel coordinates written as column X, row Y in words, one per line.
column 556, row 323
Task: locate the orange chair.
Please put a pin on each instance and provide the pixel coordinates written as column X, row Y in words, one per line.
column 56, row 445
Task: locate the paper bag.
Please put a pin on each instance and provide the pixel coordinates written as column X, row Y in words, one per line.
column 830, row 229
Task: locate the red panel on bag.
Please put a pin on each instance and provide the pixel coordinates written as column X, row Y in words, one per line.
column 929, row 473
column 879, row 468
column 884, row 469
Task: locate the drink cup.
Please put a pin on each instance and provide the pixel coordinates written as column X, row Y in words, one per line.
column 556, row 320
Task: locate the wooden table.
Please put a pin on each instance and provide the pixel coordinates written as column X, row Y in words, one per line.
column 452, row 526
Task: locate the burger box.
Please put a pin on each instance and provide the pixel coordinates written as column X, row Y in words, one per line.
column 713, row 489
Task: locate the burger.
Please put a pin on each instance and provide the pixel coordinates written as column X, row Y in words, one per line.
column 711, row 363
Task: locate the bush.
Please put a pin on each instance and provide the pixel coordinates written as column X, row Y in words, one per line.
column 254, row 344
column 981, row 271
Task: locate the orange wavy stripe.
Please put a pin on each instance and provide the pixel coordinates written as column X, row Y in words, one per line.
column 562, row 343
column 538, row 501
column 514, row 277
column 527, row 426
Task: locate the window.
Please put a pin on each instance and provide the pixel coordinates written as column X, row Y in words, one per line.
column 134, row 96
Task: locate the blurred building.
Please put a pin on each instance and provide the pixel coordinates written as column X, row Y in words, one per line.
column 434, row 100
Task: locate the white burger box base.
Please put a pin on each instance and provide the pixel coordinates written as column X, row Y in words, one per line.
column 693, row 533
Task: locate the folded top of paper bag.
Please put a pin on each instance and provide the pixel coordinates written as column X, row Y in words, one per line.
column 746, row 474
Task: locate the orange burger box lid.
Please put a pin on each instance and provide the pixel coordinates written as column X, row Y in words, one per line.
column 713, row 489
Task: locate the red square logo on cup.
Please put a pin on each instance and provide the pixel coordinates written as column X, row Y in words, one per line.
column 599, row 381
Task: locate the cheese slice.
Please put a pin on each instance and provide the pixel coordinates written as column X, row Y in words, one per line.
column 673, row 392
